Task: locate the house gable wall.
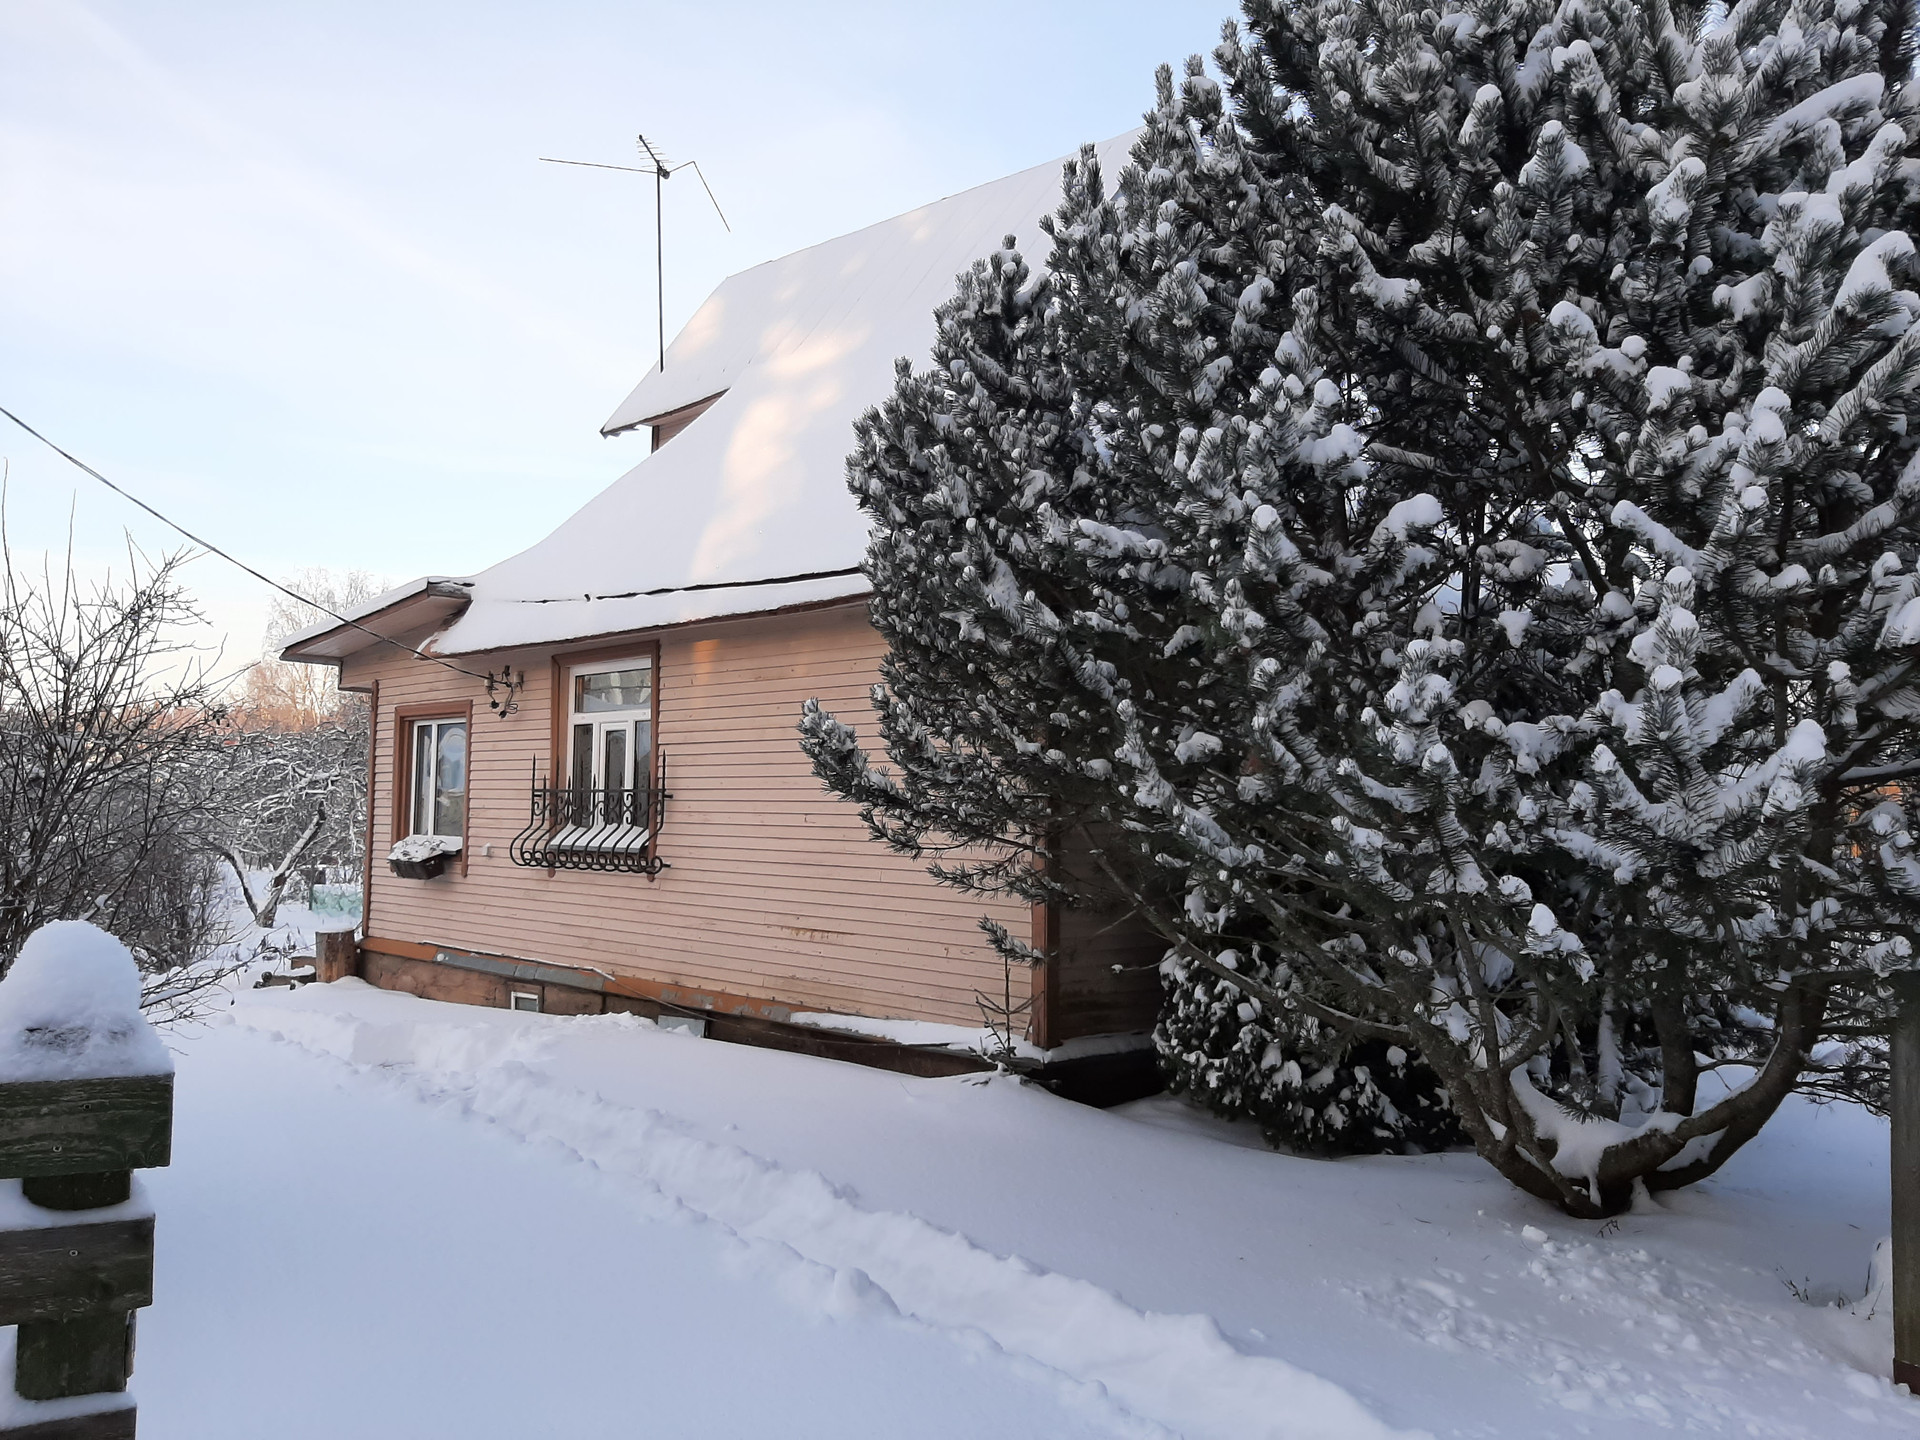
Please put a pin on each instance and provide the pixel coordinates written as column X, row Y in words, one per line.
column 775, row 889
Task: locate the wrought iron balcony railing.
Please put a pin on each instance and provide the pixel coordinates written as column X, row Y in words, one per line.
column 572, row 827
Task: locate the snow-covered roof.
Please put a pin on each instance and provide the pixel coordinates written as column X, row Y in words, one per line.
column 403, row 610
column 747, row 510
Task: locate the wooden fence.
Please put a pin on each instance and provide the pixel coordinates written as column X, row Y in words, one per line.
column 76, row 1248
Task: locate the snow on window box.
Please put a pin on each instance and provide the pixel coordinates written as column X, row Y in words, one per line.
column 421, row 857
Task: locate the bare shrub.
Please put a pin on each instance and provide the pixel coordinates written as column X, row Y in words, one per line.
column 111, row 736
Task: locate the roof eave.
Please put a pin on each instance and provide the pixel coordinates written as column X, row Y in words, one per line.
column 616, row 426
column 426, row 605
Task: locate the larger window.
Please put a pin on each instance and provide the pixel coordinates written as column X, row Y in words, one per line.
column 601, row 809
column 439, row 778
column 610, row 743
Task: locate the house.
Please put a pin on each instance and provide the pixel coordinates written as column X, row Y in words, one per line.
column 585, row 759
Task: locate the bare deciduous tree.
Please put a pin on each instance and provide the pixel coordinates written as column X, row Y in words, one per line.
column 295, row 783
column 291, row 696
column 111, row 729
column 291, row 798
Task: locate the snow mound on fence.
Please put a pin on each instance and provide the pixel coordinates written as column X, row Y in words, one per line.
column 1176, row 1370
column 70, row 1009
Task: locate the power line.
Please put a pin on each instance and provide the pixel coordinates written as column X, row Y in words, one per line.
column 491, row 681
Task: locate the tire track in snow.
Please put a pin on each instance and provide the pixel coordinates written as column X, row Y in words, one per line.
column 1176, row 1370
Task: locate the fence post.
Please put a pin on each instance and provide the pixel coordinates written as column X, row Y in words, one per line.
column 71, row 1285
column 86, row 1098
column 336, row 955
column 1905, row 1107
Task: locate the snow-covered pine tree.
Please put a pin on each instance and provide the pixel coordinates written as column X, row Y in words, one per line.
column 1029, row 494
column 1611, row 295
column 1524, row 658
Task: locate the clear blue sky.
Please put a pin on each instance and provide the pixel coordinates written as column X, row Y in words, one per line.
column 293, row 272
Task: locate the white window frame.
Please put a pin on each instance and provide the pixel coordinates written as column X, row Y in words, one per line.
column 603, row 720
column 636, row 769
column 422, row 790
column 514, row 997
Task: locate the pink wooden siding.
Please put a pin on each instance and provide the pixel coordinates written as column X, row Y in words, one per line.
column 775, row 890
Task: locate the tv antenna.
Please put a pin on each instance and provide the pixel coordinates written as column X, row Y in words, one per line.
column 662, row 170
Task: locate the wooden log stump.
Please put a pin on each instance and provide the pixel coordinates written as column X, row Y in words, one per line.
column 336, row 955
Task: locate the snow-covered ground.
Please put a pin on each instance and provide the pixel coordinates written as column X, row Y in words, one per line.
column 388, row 1217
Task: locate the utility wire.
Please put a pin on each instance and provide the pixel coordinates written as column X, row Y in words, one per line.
column 701, row 585
column 491, row 681
column 71, row 459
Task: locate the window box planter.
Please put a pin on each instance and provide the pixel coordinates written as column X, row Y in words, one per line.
column 421, row 857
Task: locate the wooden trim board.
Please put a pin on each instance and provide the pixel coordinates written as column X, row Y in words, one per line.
column 373, row 797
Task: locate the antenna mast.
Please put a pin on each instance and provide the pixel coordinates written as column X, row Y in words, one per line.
column 660, row 174
column 662, row 170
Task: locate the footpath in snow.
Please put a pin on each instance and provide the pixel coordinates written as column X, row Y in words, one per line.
column 340, row 1257
column 391, row 1217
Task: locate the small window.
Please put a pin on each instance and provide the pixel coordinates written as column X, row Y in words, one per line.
column 523, row 1000
column 439, row 793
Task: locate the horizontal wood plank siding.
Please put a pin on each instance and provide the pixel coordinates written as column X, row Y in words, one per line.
column 775, row 889
column 1106, row 976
